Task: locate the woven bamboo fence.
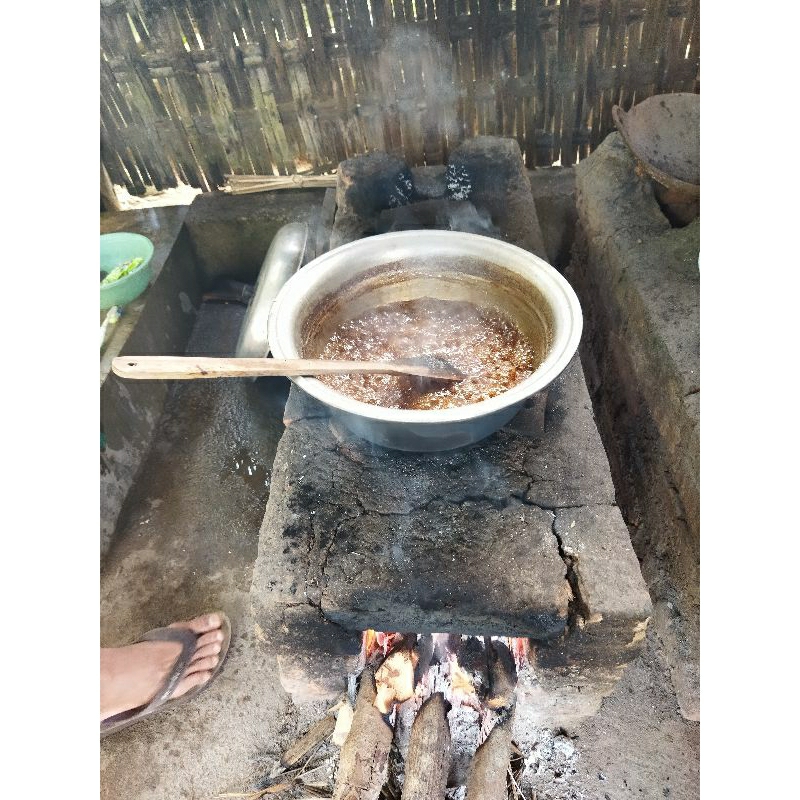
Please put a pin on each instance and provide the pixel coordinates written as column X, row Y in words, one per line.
column 192, row 90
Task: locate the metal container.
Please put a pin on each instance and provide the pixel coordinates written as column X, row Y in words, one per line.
column 406, row 265
column 283, row 259
column 663, row 133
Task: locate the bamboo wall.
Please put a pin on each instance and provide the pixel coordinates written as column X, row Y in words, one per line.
column 197, row 89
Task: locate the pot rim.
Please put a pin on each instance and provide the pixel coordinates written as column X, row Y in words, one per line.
column 415, row 243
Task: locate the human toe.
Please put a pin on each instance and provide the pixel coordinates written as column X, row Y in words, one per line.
column 202, row 624
column 205, row 664
column 210, row 649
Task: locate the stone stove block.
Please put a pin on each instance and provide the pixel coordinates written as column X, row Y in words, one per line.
column 474, row 541
column 517, row 535
column 487, row 172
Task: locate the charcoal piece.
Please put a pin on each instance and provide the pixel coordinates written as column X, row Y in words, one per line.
column 489, row 171
column 365, row 186
column 425, row 651
column 502, row 675
column 471, row 655
column 368, row 184
column 458, row 185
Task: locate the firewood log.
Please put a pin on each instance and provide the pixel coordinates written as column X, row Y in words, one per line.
column 487, row 772
column 502, row 675
column 364, row 762
column 428, row 760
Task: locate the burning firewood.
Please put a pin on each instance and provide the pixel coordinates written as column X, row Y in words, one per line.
column 502, row 675
column 487, row 773
column 428, row 761
column 490, row 765
column 394, row 679
column 364, row 761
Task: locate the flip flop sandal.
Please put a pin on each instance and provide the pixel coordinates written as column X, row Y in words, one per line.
column 163, row 698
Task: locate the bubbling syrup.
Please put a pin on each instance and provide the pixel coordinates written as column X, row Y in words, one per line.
column 481, row 342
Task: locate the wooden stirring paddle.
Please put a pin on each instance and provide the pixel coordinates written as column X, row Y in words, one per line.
column 429, row 371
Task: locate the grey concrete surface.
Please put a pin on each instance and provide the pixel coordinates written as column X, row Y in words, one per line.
column 365, row 537
column 186, row 542
column 159, row 322
column 554, row 194
column 230, row 234
column 638, row 281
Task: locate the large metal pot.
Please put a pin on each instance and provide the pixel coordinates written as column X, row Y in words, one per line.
column 406, row 265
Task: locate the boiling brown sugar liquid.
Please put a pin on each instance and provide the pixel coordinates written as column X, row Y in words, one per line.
column 481, row 342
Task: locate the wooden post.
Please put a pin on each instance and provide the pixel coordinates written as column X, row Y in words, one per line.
column 108, row 197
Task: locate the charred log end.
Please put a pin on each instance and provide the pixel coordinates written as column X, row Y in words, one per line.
column 487, row 773
column 364, row 762
column 502, row 675
column 428, row 761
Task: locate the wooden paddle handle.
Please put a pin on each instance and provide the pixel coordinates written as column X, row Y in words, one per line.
column 191, row 367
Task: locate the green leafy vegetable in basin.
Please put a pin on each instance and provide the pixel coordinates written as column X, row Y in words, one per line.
column 121, row 271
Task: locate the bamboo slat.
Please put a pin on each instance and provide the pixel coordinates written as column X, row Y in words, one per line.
column 199, row 89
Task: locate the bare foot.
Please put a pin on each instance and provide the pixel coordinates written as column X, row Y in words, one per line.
column 131, row 676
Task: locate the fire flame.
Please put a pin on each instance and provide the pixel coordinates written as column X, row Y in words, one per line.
column 396, row 660
column 374, row 642
column 460, row 680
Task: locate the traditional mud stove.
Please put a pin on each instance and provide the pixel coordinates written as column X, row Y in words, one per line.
column 473, row 592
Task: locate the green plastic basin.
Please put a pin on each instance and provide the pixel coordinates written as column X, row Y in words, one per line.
column 115, row 249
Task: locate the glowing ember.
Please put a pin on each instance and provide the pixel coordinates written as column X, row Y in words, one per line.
column 519, row 648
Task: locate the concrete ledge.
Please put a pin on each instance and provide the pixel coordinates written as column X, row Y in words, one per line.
column 638, row 281
column 554, row 195
column 160, row 322
column 469, row 541
column 218, row 235
column 230, row 234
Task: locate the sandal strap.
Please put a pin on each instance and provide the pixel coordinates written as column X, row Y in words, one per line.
column 188, row 641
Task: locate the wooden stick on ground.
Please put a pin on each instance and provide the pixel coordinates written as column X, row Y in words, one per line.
column 428, row 761
column 246, row 184
column 308, row 741
column 364, row 762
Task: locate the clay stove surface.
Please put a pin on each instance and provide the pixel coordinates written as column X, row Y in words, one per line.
column 464, row 541
column 517, row 535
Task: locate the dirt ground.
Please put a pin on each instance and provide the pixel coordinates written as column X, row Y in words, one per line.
column 228, row 739
column 638, row 745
